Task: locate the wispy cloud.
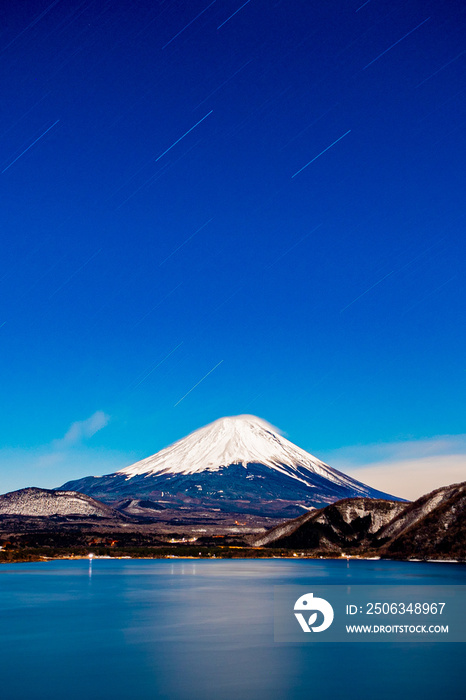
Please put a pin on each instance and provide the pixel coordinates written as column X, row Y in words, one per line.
column 70, row 457
column 83, row 429
column 408, row 468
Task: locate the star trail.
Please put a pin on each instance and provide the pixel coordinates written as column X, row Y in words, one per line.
column 204, row 202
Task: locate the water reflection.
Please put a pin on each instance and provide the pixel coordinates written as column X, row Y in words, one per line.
column 199, row 630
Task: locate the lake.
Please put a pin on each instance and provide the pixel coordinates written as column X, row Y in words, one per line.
column 202, row 630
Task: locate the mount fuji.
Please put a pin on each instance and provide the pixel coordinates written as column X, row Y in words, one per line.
column 238, row 466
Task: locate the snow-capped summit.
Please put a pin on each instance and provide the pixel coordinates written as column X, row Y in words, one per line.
column 232, row 440
column 235, row 465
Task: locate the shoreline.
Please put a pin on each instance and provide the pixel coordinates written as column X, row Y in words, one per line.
column 45, row 559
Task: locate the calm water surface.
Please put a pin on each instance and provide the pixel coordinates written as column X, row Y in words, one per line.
column 202, row 630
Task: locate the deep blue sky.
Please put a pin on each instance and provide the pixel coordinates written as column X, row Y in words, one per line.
column 333, row 298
